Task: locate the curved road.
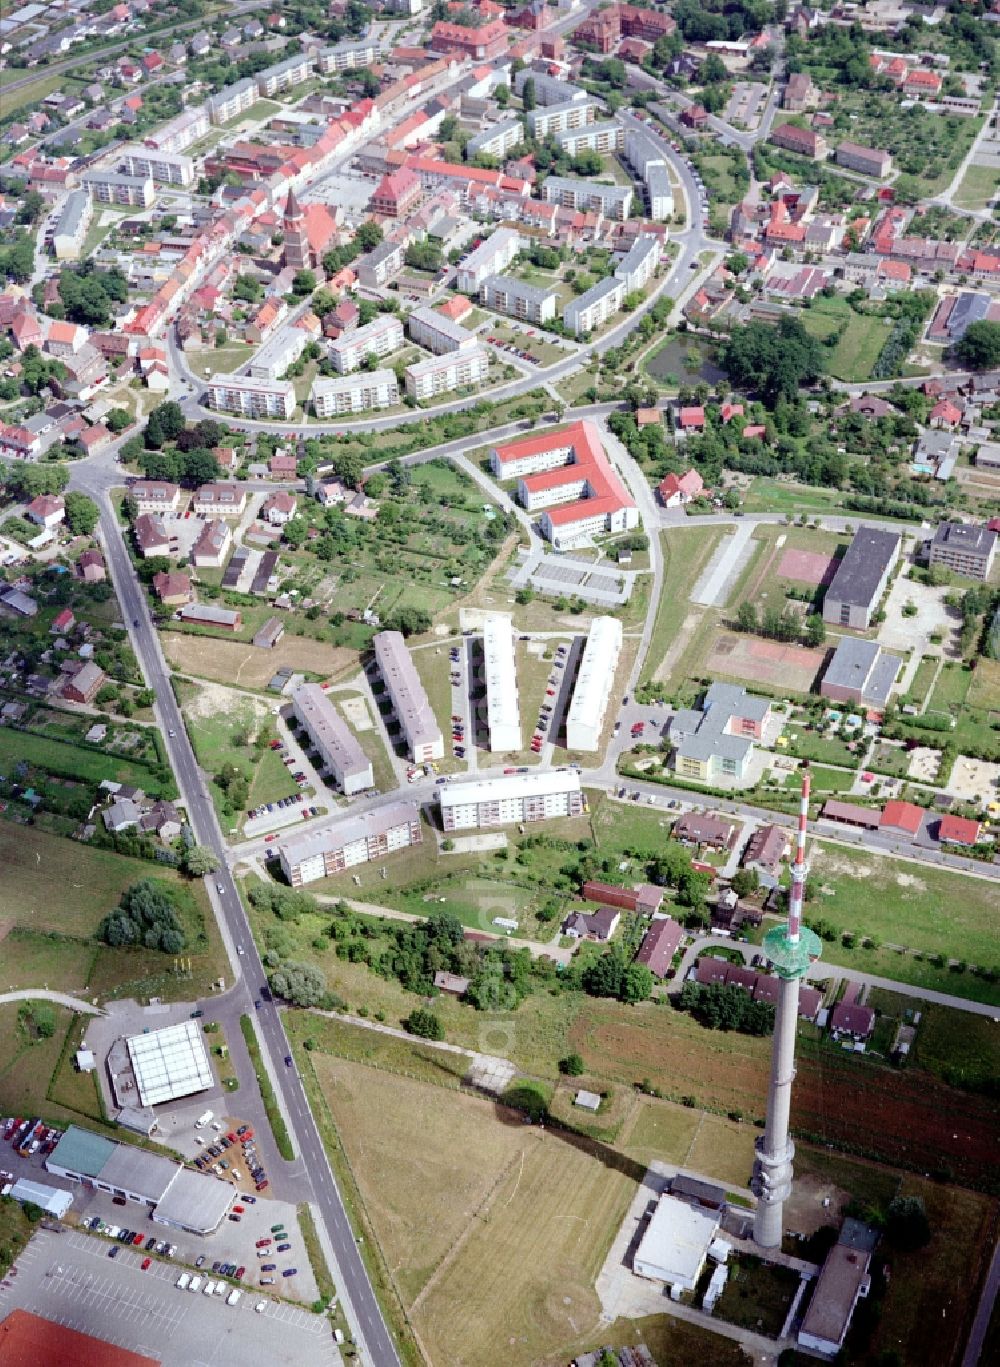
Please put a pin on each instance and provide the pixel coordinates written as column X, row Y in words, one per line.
column 26, row 994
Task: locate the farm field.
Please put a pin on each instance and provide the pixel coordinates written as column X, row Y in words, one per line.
column 977, row 187
column 238, row 662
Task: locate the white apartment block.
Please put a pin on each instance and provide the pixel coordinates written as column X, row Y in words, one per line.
column 660, row 193
column 155, row 496
column 646, row 158
column 512, row 797
column 594, row 307
column 348, row 57
column 108, row 187
column 441, row 374
column 347, row 843
column 436, row 332
column 559, row 118
column 595, row 137
column 409, row 698
column 641, row 152
column 283, row 75
column 496, row 140
column 502, row 710
column 491, row 257
column 336, row 743
column 282, row 349
column 613, row 201
column 379, row 266
column 518, row 299
column 381, row 337
column 180, row 132
column 232, row 100
column 250, row 397
column 594, row 681
column 355, row 393
column 165, row 168
column 548, row 89
column 638, row 266
column 71, row 228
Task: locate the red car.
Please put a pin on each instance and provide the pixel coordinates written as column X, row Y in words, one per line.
column 263, row 1243
column 145, row 1263
column 240, row 1210
column 239, row 1273
column 137, row 1239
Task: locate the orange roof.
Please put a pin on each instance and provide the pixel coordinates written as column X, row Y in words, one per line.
column 589, row 463
column 62, row 332
column 960, row 830
column 28, row 1340
column 456, row 308
column 905, row 816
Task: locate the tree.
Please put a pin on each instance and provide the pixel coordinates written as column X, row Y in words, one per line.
column 248, row 288
column 81, row 513
column 423, row 256
column 166, row 423
column 571, row 1065
column 411, row 621
column 424, row 1023
column 777, row 361
column 979, row 348
column 300, row 984
column 746, row 616
column 303, row 283
column 146, row 915
column 745, row 882
column 368, row 236
column 815, row 629
column 501, row 93
column 199, row 861
column 528, row 97
column 906, row 1223
column 637, row 984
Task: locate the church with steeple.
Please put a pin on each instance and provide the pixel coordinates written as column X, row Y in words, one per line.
column 308, row 233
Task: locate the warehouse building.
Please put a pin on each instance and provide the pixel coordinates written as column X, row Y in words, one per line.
column 176, row 1196
column 347, row 843
column 333, row 738
column 593, row 684
column 409, row 697
column 843, row 1280
column 502, row 710
column 170, row 1063
column 861, row 578
column 512, row 797
column 860, row 672
column 675, row 1245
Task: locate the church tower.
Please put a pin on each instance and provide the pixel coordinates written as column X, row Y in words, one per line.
column 296, row 250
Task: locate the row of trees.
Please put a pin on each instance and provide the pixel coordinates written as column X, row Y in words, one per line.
column 145, row 916
column 781, row 624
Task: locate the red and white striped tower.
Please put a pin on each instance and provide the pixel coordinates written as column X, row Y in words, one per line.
column 791, row 948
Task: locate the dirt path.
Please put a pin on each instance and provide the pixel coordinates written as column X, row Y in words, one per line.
column 678, row 645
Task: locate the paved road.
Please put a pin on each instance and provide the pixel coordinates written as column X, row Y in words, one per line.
column 360, row 1304
column 35, row 994
column 977, row 1334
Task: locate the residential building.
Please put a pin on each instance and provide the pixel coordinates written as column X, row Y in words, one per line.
column 231, row 101
column 565, row 472
column 491, row 257
column 20, row 443
column 597, row 925
column 355, row 393
column 965, row 548
column 603, row 138
column 375, row 270
column 397, row 194
column 442, row 374
column 251, row 397
column 958, row 830
column 180, row 132
column 172, row 587
column 84, row 685
column 638, row 266
column 165, row 168
column 714, row 743
column 702, row 828
column 530, row 303
column 47, row 510
column 155, row 496
column 152, row 537
column 805, row 141
column 798, row 93
column 281, row 350
column 592, row 309
column 220, row 500
column 108, row 187
column 869, row 161
column 278, row 508
column 496, row 140
column 435, row 330
column 613, row 201
column 548, row 89
column 348, row 56
column 594, row 682
column 547, row 120
column 212, row 546
column 902, row 818
column 764, row 852
column 330, row 735
column 71, row 227
column 381, row 337
column 283, row 75
column 349, row 842
column 502, row 708
column 480, row 44
column 539, row 796
column 861, row 672
column 409, row 698
column 676, row 490
column 861, row 578
column 659, row 945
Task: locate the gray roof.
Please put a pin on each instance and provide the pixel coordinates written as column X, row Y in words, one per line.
column 337, row 834
column 196, row 1201
column 700, row 733
column 968, row 538
column 518, row 289
column 147, row 1174
column 495, row 130
column 859, row 577
column 863, row 666
column 73, row 211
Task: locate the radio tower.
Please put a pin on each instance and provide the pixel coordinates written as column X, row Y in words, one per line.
column 791, row 948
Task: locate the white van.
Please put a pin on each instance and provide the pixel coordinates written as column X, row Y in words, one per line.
column 203, row 1120
column 182, row 1281
column 209, row 1288
column 233, row 1297
column 195, row 1284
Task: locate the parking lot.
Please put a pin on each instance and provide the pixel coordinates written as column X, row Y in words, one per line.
column 70, row 1279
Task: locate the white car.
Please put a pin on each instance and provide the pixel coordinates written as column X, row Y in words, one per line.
column 260, row 1307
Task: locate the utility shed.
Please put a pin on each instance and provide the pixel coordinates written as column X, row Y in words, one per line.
column 53, row 1200
column 675, row 1244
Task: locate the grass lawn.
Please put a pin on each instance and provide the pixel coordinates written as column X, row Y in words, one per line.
column 46, row 960
column 34, row 91
column 955, row 1045
column 28, row 1068
column 922, row 680
column 757, row 1296
column 686, row 552
column 890, row 759
column 222, row 360
column 81, row 763
column 671, row 1342
column 857, row 349
column 15, row 1231
column 822, row 749
column 723, row 1149
column 662, row 1130
column 767, row 495
column 977, row 187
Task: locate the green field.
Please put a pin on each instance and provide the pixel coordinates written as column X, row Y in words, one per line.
column 34, row 91
column 977, row 187
column 957, row 1046
column 767, row 495
column 686, row 552
column 858, row 348
column 81, row 763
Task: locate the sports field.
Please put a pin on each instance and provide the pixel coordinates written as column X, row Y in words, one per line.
column 777, row 666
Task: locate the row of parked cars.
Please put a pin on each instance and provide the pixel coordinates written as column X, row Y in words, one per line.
column 268, row 1247
column 545, row 712
column 29, row 1137
column 457, row 722
column 129, row 1236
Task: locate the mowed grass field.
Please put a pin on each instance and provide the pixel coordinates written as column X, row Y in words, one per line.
column 494, row 1231
column 686, row 552
column 79, row 762
column 857, row 349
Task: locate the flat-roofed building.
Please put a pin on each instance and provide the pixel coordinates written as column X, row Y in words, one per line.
column 355, row 393
column 170, row 1063
column 250, row 397
column 509, row 798
column 964, row 548
column 347, row 843
column 409, row 697
column 676, row 1242
column 860, row 672
column 281, row 350
column 518, row 299
column 378, row 267
column 595, row 306
column 438, row 333
column 548, row 89
column 165, row 168
column 109, row 187
column 336, row 743
column 638, row 266
column 502, row 707
column 496, row 140
column 606, row 136
column 613, row 201
column 594, row 681
column 348, row 56
column 491, row 257
column 861, row 578
column 659, row 192
column 232, row 100
column 441, row 374
column 283, row 75
column 381, row 337
column 843, row 1280
column 550, row 119
column 71, row 227
column 180, row 132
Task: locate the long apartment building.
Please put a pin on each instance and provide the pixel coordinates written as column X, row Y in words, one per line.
column 594, row 680
column 232, row 101
column 548, row 89
column 551, row 119
column 281, row 350
column 512, row 797
column 566, row 475
column 491, row 257
column 333, row 738
column 964, row 547
column 518, row 299
column 638, row 266
column 595, row 306
column 155, row 496
column 503, row 714
column 283, row 75
column 250, row 397
column 649, row 162
column 165, row 168
column 381, row 337
column 111, row 187
column 348, row 56
column 613, row 201
column 438, row 333
column 71, row 227
column 346, row 844
column 603, row 137
column 180, row 132
column 358, row 392
column 442, row 374
column 409, row 698
column 496, row 140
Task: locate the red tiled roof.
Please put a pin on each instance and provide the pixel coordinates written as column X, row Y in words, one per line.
column 958, row 830
column 903, row 816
